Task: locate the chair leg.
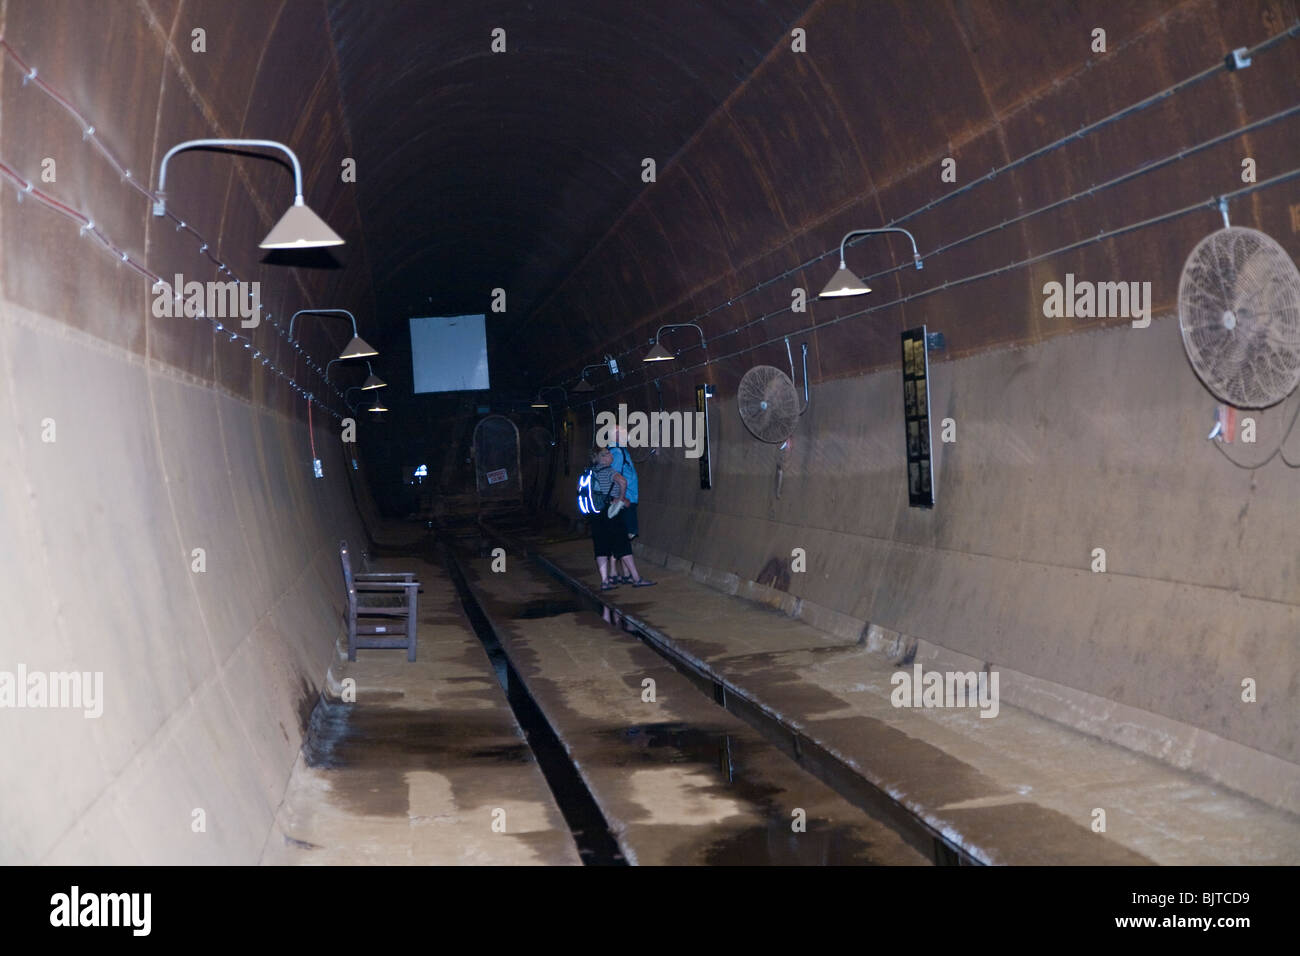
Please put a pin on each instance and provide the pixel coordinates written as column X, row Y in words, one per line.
column 411, row 621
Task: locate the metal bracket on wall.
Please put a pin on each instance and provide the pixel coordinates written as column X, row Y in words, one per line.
column 1237, row 59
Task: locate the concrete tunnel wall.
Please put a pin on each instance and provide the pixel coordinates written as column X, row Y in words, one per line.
column 1071, row 434
column 1200, row 589
column 167, row 437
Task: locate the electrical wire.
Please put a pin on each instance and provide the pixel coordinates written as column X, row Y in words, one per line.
column 1174, row 214
column 1211, row 203
column 1079, row 134
column 30, row 75
column 1277, row 452
column 87, row 225
column 311, row 432
column 1151, row 166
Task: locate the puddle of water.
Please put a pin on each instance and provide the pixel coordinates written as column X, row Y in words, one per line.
column 741, row 764
column 548, row 608
column 778, row 845
column 595, row 843
column 726, row 758
column 343, row 735
column 374, row 747
column 679, row 743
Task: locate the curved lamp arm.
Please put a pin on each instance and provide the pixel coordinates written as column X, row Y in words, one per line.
column 369, row 369
column 322, row 312
column 682, row 325
column 660, row 354
column 549, row 410
column 353, row 408
column 160, row 204
column 916, row 256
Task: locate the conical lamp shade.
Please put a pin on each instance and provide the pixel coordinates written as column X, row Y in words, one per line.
column 658, row 354
column 357, row 348
column 844, row 282
column 583, row 386
column 300, row 228
column 378, row 407
column 374, row 381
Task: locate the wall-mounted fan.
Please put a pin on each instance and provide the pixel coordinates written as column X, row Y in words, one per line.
column 768, row 402
column 1239, row 311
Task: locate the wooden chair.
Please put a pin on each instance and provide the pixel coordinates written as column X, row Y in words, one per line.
column 376, row 602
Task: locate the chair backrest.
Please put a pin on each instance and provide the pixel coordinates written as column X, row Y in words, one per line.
column 349, row 583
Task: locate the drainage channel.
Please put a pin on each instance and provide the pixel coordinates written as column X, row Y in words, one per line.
column 808, row 754
column 596, row 845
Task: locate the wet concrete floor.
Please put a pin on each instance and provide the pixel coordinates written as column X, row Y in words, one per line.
column 426, row 766
column 679, row 779
column 1019, row 789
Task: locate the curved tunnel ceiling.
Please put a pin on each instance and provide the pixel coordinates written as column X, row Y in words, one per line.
column 522, row 170
column 481, row 170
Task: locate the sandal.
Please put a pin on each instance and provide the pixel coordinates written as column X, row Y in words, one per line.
column 644, row 583
column 607, row 585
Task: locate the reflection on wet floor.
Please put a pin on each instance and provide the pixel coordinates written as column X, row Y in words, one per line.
column 590, row 830
column 698, row 786
column 379, row 745
column 682, row 744
column 777, row 845
column 712, row 793
column 547, row 608
column 740, row 767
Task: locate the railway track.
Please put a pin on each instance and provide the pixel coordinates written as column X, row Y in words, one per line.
column 608, row 757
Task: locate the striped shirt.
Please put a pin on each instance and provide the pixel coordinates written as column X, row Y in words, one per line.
column 602, row 478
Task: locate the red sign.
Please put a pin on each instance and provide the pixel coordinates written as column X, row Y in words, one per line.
column 494, row 477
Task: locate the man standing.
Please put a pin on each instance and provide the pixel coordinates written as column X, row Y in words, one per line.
column 608, row 534
column 622, row 464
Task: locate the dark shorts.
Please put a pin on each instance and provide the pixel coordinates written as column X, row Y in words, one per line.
column 629, row 519
column 609, row 536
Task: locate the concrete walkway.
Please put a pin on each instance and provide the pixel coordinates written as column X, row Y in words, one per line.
column 678, row 780
column 1014, row 789
column 423, row 764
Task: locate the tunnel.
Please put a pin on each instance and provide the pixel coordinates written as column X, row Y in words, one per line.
column 926, row 371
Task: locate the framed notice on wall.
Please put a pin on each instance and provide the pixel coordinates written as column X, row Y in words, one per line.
column 702, row 395
column 916, row 419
